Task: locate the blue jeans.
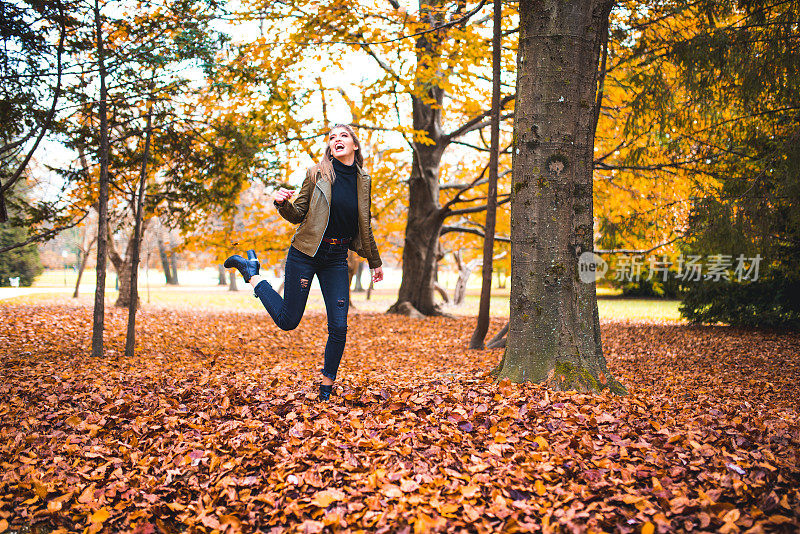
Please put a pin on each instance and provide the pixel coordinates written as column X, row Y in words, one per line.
column 330, row 265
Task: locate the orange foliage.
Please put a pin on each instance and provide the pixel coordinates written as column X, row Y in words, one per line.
column 213, row 426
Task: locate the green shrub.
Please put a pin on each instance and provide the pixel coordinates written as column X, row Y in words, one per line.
column 772, row 301
column 23, row 261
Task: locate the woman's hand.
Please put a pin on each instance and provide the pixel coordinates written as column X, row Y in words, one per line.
column 282, row 195
column 377, row 274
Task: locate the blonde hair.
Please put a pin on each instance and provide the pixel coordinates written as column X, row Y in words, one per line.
column 349, row 129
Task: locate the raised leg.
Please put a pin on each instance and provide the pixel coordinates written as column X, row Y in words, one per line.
column 287, row 311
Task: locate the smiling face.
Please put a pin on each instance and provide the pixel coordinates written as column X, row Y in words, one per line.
column 343, row 145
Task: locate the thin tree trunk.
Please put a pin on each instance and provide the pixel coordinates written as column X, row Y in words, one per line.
column 123, row 264
column 442, row 292
column 86, row 248
column 554, row 334
column 98, row 318
column 162, row 253
column 482, row 325
column 133, row 304
column 222, row 278
column 359, row 287
column 84, row 259
column 232, row 284
column 173, row 263
column 464, row 272
column 352, row 266
column 501, row 279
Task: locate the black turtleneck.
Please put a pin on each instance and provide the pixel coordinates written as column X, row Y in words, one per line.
column 343, row 220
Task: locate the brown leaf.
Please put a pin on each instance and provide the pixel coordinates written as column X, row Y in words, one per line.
column 326, row 497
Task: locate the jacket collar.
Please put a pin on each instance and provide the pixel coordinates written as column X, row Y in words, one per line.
column 324, row 183
column 328, row 174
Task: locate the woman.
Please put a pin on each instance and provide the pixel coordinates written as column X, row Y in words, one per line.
column 333, row 211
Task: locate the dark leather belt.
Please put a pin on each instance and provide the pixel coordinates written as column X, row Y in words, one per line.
column 336, row 241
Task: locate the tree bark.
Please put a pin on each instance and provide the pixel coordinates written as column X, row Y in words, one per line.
column 482, row 324
column 98, row 316
column 133, row 299
column 554, row 333
column 223, row 280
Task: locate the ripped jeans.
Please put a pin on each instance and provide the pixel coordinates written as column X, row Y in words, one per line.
column 330, row 265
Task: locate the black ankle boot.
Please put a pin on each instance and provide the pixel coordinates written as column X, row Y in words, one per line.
column 325, row 392
column 248, row 267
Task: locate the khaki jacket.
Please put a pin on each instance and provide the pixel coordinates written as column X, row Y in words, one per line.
column 311, row 210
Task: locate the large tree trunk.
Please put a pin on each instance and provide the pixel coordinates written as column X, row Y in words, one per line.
column 554, row 332
column 422, row 235
column 424, row 212
column 425, row 219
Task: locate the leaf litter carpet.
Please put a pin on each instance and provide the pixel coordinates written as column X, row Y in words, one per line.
column 212, row 427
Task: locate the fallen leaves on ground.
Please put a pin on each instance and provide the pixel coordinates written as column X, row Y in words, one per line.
column 213, row 427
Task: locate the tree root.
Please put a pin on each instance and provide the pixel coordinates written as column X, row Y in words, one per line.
column 499, row 340
column 405, row 308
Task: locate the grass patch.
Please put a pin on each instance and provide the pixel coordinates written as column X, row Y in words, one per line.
column 220, row 299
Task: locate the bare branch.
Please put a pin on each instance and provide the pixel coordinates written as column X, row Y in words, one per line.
column 475, row 231
column 474, row 209
column 381, row 63
column 470, row 124
column 460, row 185
column 455, row 22
column 634, row 251
column 374, row 128
column 446, row 208
column 481, row 149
